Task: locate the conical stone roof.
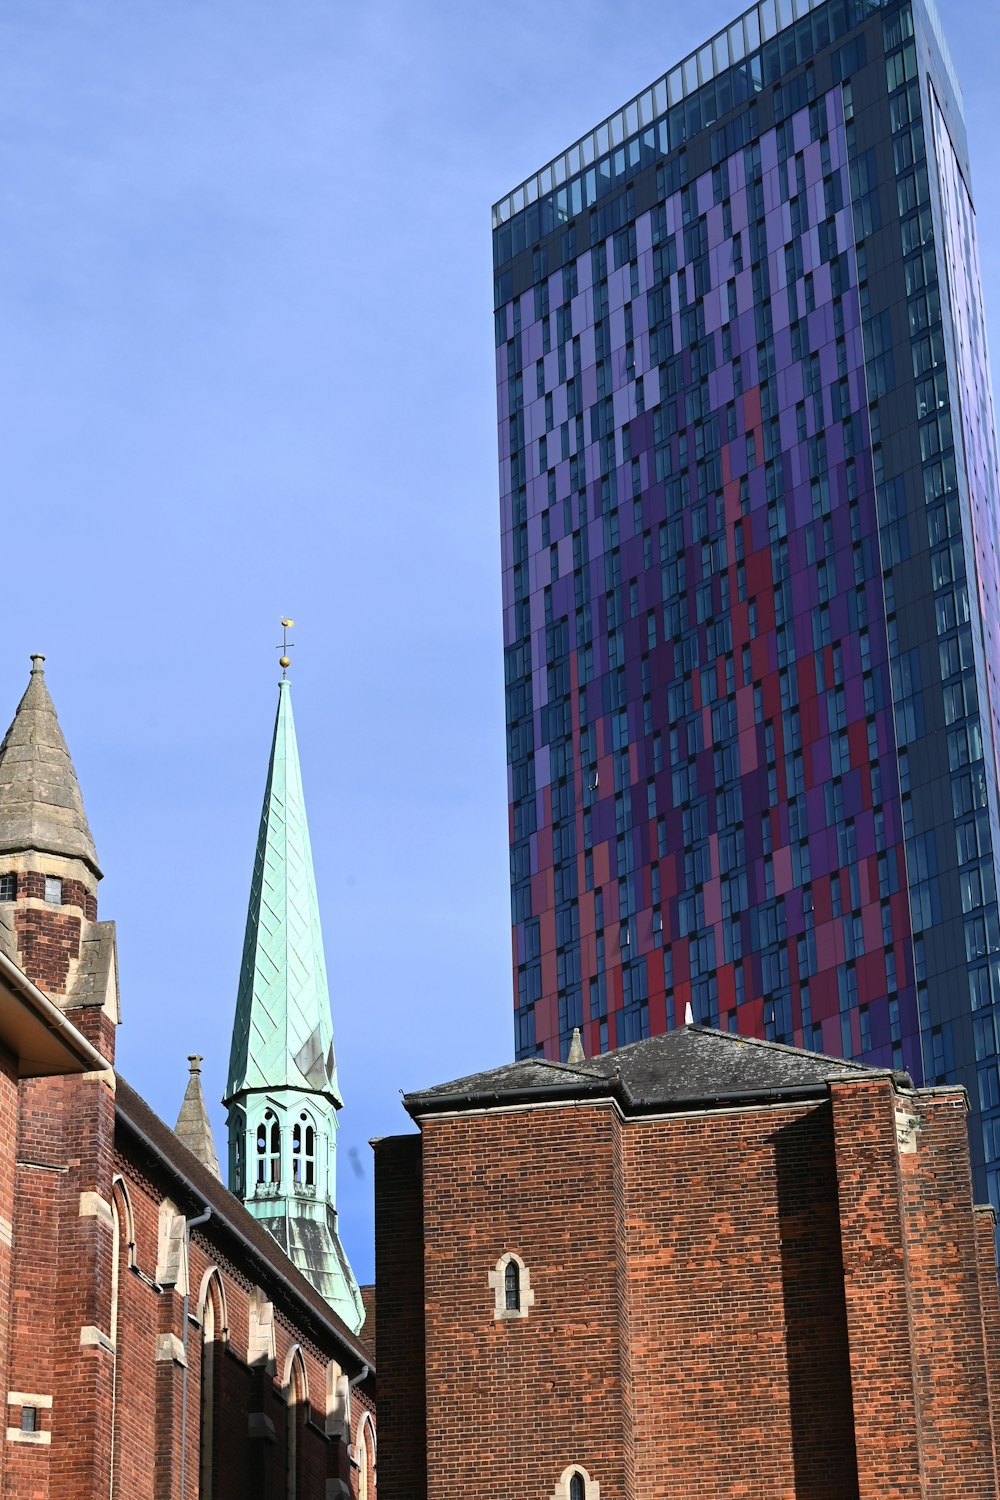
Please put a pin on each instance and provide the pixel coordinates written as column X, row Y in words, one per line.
column 193, row 1128
column 40, row 803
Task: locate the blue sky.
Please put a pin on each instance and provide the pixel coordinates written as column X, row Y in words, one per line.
column 247, row 370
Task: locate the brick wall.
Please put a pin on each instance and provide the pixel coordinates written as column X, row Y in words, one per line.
column 48, row 939
column 399, row 1280
column 738, row 1319
column 795, row 1300
column 880, row 1334
column 61, row 1288
column 946, row 1301
column 251, row 1417
column 989, row 1292
column 93, row 1331
column 8, row 1148
column 542, row 1185
column 31, row 886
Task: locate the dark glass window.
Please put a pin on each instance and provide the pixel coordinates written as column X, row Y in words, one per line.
column 512, row 1286
column 8, row 887
column 576, row 1490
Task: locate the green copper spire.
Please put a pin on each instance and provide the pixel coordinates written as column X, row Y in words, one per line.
column 282, row 1092
column 283, row 1036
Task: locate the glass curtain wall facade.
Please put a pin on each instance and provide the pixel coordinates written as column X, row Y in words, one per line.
column 749, row 495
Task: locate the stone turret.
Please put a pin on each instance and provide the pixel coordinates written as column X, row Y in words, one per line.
column 49, row 871
column 283, row 1094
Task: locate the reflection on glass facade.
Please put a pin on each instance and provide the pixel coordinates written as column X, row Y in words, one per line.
column 749, row 491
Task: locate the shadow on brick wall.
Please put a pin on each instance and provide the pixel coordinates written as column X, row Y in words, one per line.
column 812, row 1277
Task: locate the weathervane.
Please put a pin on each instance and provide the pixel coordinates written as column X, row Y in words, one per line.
column 284, row 660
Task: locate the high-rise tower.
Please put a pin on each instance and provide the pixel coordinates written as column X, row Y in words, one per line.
column 750, row 516
column 283, row 1095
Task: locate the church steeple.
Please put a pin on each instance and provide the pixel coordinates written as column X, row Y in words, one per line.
column 283, row 1094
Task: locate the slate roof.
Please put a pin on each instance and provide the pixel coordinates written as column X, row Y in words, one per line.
column 694, row 1065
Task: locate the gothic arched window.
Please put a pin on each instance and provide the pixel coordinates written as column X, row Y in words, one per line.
column 275, row 1145
column 297, row 1395
column 212, row 1327
column 303, row 1152
column 576, row 1484
column 269, row 1148
column 510, row 1282
column 512, row 1286
column 364, row 1457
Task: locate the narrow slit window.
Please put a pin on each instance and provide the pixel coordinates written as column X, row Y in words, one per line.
column 512, row 1286
column 275, row 1143
column 510, row 1283
column 576, row 1489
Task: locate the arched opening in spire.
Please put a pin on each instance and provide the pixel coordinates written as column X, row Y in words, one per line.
column 269, row 1149
column 304, row 1151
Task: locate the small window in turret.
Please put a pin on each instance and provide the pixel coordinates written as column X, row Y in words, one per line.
column 304, row 1160
column 310, row 1156
column 53, row 890
column 8, row 887
column 275, row 1146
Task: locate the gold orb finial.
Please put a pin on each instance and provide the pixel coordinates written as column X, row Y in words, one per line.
column 284, row 660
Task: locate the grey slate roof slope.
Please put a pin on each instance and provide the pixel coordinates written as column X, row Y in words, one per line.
column 693, row 1065
column 40, row 803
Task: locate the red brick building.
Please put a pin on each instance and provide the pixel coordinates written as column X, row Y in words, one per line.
column 696, row 1267
column 157, row 1344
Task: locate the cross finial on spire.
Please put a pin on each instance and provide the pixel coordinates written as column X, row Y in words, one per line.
column 284, row 660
